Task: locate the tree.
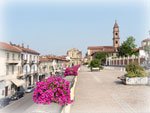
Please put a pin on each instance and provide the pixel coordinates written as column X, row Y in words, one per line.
column 95, row 63
column 127, row 48
column 101, row 57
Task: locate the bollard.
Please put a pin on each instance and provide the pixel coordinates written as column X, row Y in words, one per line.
column 124, row 69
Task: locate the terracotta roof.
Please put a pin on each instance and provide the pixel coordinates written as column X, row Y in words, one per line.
column 104, row 49
column 27, row 50
column 140, row 48
column 44, row 59
column 9, row 47
column 63, row 58
column 148, row 39
column 100, row 47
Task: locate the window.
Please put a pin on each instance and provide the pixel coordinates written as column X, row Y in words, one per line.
column 18, row 56
column 116, row 34
column 6, row 91
column 7, row 56
column 22, row 56
column 26, row 69
column 3, row 92
column 13, row 56
column 7, row 69
column 116, row 42
column 18, row 69
column 12, row 69
column 30, row 57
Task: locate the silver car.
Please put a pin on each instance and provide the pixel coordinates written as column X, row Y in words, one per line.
column 29, row 89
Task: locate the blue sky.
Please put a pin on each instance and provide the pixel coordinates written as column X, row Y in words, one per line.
column 55, row 27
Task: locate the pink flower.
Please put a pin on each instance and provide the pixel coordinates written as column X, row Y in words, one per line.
column 53, row 89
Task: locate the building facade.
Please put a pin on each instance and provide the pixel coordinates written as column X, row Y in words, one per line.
column 52, row 65
column 29, row 65
column 10, row 70
column 75, row 56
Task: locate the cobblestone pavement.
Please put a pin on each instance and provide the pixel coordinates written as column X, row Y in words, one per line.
column 102, row 92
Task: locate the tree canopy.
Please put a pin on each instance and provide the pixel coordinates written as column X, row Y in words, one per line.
column 95, row 63
column 127, row 48
column 101, row 57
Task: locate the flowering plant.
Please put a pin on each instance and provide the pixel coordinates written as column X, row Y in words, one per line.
column 53, row 89
column 72, row 71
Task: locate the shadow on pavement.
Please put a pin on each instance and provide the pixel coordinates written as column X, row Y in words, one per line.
column 119, row 82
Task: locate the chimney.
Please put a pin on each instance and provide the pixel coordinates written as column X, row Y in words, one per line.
column 28, row 46
column 10, row 43
column 22, row 45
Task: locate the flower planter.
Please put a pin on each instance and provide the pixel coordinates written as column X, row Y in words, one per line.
column 136, row 80
column 95, row 69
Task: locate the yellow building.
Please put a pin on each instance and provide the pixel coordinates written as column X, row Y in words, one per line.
column 75, row 56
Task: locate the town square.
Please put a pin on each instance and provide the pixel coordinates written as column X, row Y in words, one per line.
column 75, row 56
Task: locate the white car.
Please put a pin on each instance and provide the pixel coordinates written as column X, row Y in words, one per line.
column 30, row 89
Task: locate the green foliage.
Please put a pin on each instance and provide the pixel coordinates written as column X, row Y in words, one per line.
column 135, row 70
column 95, row 63
column 86, row 63
column 127, row 48
column 101, row 56
column 101, row 67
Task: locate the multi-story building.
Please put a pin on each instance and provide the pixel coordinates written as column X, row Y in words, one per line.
column 45, row 67
column 29, row 65
column 51, row 65
column 10, row 70
column 146, row 42
column 75, row 56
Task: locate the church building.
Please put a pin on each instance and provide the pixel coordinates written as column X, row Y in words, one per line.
column 111, row 50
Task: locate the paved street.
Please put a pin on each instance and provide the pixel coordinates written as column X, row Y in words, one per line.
column 95, row 92
column 26, row 105
column 102, row 92
column 19, row 106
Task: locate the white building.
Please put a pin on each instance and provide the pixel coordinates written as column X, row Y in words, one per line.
column 51, row 65
column 29, row 65
column 145, row 43
column 10, row 70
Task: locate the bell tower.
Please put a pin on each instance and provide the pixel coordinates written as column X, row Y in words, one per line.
column 116, row 37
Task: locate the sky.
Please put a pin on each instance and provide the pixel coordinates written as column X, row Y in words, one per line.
column 53, row 27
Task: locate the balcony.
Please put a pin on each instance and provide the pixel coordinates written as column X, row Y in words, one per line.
column 20, row 75
column 43, row 73
column 24, row 61
column 12, row 61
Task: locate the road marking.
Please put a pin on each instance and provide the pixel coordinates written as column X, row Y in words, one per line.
column 96, row 78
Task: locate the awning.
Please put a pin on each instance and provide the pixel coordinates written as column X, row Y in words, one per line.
column 18, row 82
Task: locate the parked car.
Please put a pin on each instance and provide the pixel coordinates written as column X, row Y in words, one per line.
column 17, row 95
column 4, row 102
column 30, row 89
